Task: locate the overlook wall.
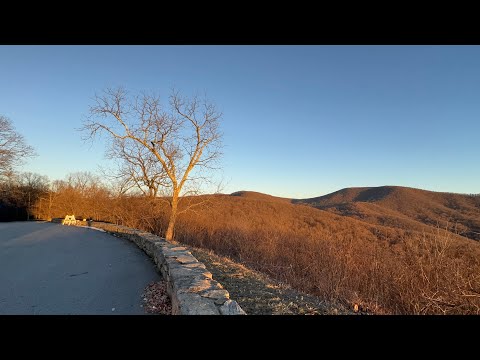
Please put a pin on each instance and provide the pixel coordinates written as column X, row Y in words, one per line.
column 189, row 284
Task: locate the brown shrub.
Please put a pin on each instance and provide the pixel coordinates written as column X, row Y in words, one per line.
column 383, row 270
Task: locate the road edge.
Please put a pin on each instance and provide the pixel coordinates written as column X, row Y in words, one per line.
column 190, row 285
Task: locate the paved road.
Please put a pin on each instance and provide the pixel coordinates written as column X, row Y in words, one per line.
column 49, row 268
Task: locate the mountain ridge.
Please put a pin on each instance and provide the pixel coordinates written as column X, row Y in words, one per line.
column 396, row 206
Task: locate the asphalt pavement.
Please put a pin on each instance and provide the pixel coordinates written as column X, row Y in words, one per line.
column 48, row 268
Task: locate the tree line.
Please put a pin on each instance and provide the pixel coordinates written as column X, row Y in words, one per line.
column 164, row 153
column 31, row 196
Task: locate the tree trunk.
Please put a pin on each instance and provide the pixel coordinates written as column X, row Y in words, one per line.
column 173, row 218
column 50, row 207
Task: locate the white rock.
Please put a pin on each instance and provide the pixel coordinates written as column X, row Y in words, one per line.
column 231, row 307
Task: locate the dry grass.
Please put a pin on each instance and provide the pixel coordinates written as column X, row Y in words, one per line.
column 258, row 294
column 382, row 270
column 381, row 256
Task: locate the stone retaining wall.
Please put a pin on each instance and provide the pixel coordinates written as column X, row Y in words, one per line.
column 189, row 284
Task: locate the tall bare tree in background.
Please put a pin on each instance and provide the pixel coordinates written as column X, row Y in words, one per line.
column 13, row 148
column 138, row 168
column 180, row 142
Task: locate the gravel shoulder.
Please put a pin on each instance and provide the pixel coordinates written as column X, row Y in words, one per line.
column 257, row 294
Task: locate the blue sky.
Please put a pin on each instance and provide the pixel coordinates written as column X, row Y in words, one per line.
column 299, row 121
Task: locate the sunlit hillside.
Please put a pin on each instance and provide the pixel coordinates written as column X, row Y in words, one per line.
column 385, row 269
column 404, row 207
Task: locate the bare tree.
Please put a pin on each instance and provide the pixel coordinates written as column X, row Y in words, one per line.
column 183, row 137
column 13, row 148
column 138, row 168
column 80, row 194
column 33, row 186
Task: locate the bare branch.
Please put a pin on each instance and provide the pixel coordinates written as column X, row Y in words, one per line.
column 158, row 149
column 13, row 148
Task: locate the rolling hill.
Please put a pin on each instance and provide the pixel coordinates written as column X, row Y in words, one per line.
column 260, row 196
column 405, row 208
column 371, row 247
